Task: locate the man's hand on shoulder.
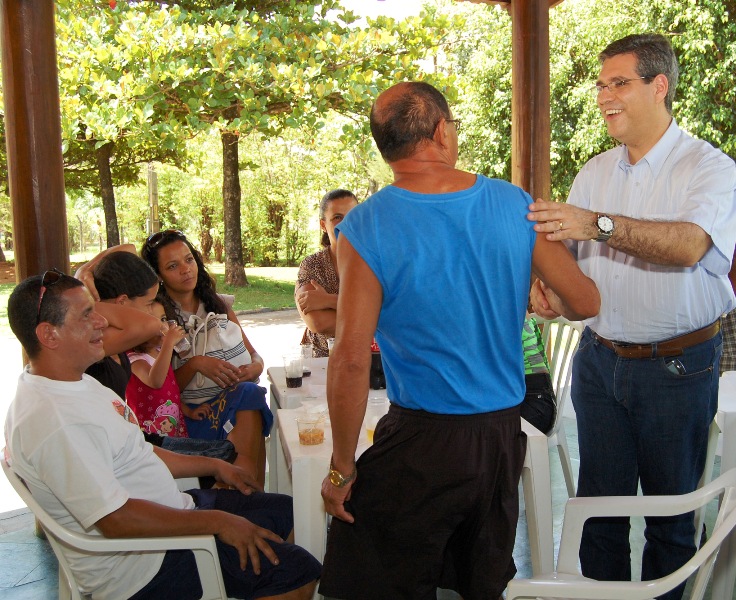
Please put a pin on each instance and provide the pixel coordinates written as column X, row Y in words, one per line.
column 669, row 243
column 562, row 221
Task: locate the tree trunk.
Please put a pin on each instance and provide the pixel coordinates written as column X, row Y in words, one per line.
column 205, row 237
column 2, row 255
column 219, row 250
column 234, row 265
column 81, row 234
column 276, row 213
column 108, row 193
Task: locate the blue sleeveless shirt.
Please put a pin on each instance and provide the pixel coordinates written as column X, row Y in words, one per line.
column 455, row 271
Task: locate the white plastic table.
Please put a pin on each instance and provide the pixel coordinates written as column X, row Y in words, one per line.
column 283, row 397
column 299, row 470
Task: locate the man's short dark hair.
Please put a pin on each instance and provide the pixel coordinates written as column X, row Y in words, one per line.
column 402, row 125
column 23, row 309
column 654, row 56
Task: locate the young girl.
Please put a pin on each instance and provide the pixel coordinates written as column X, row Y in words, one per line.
column 152, row 391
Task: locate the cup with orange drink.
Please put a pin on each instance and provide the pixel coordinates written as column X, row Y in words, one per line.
column 311, row 429
column 376, row 408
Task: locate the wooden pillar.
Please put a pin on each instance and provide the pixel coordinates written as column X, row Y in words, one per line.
column 33, row 133
column 530, row 120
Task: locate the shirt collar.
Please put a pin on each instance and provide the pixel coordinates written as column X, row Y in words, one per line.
column 656, row 157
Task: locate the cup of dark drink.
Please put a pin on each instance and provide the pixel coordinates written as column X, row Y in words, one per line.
column 294, row 370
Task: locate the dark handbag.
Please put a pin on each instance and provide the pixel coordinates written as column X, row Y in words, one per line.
column 540, row 404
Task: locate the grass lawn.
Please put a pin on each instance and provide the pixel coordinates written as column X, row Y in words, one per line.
column 270, row 288
column 5, row 289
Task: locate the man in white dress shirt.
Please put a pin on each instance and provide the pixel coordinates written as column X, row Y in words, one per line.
column 653, row 223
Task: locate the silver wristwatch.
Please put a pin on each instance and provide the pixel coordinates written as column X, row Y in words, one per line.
column 605, row 228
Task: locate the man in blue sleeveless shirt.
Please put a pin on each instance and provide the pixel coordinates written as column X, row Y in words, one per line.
column 438, row 266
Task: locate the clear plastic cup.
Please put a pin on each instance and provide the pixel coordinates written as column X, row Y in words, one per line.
column 311, row 430
column 307, row 352
column 183, row 345
column 294, row 371
column 376, row 408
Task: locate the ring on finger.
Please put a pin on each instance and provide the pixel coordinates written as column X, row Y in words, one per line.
column 561, row 227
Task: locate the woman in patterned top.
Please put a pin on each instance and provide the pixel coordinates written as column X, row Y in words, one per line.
column 317, row 283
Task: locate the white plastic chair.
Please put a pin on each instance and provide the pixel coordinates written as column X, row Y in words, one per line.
column 561, row 338
column 567, row 581
column 203, row 546
column 723, row 422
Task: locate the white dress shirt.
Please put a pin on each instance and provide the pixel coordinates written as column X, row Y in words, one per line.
column 680, row 179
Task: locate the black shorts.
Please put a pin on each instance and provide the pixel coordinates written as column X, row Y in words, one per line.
column 436, row 503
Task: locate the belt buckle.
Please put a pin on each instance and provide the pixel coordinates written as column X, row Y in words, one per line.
column 634, row 351
column 620, row 348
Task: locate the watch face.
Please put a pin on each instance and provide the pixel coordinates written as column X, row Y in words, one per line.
column 605, row 224
column 336, row 479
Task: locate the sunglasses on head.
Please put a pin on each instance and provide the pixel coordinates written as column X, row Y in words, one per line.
column 50, row 277
column 155, row 239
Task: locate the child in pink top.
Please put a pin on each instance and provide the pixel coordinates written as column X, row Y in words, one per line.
column 152, row 391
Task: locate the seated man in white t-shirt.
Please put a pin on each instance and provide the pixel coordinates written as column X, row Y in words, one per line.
column 93, row 472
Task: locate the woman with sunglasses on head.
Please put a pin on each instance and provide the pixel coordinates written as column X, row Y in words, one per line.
column 239, row 411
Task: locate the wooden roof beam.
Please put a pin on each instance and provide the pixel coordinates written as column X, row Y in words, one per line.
column 506, row 3
column 530, row 96
column 33, row 136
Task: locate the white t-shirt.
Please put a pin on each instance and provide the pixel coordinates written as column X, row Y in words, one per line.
column 82, row 461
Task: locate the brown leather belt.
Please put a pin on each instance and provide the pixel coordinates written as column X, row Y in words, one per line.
column 672, row 347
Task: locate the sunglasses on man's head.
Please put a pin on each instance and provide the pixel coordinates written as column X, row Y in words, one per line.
column 50, row 277
column 156, row 238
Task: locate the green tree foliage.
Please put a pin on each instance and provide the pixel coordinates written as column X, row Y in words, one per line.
column 482, row 59
column 283, row 180
column 244, row 67
column 286, row 178
column 105, row 138
column 703, row 34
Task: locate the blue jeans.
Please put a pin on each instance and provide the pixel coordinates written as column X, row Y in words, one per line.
column 178, row 576
column 640, row 422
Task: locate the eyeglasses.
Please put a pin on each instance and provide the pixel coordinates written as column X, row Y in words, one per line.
column 615, row 86
column 49, row 278
column 156, row 238
column 458, row 123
